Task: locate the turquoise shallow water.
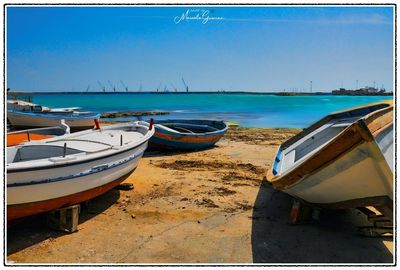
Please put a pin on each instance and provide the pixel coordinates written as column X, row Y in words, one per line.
column 246, row 109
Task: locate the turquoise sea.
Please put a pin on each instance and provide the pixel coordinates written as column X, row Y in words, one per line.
column 251, row 110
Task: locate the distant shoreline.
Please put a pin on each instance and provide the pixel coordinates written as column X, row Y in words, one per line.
column 196, row 92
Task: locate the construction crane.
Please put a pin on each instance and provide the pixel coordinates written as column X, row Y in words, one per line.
column 126, row 87
column 87, row 88
column 158, row 87
column 186, row 87
column 173, row 87
column 140, row 87
column 111, row 85
column 102, row 86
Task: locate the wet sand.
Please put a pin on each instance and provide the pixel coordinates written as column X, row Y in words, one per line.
column 209, row 206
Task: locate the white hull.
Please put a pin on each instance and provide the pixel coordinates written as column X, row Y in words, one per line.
column 35, row 120
column 344, row 160
column 46, row 191
column 361, row 173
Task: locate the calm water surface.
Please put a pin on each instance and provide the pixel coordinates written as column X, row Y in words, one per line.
column 246, row 109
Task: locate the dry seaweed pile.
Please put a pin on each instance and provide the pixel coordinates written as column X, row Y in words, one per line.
column 264, row 136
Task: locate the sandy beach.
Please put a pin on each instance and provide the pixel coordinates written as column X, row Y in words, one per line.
column 210, row 206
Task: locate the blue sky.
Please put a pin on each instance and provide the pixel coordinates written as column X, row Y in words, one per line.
column 249, row 49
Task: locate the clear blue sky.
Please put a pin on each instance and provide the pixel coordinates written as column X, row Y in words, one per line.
column 250, row 49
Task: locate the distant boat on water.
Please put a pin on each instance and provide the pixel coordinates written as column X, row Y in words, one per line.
column 344, row 160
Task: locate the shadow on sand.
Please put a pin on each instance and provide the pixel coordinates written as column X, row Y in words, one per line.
column 30, row 231
column 333, row 239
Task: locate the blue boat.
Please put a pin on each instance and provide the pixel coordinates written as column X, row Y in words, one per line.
column 187, row 134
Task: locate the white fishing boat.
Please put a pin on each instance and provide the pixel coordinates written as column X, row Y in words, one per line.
column 345, row 160
column 66, row 170
column 23, row 114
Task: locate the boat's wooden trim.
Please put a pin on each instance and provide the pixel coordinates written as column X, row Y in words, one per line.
column 29, row 209
column 388, row 102
column 378, row 121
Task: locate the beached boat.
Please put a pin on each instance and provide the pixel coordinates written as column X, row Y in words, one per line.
column 187, row 134
column 345, row 160
column 22, row 115
column 69, row 169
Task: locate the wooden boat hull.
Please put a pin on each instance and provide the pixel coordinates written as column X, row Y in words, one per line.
column 354, row 169
column 24, row 120
column 167, row 138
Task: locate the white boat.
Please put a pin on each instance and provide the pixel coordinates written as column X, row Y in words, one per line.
column 345, row 160
column 23, row 114
column 20, row 105
column 66, row 170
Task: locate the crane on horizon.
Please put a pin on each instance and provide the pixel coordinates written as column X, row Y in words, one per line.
column 186, row 87
column 87, row 88
column 102, row 86
column 173, row 87
column 158, row 88
column 126, row 87
column 111, row 85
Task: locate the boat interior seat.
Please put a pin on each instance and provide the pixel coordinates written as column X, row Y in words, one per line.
column 35, row 152
column 83, row 145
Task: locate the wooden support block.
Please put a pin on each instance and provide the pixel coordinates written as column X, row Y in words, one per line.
column 300, row 212
column 295, row 212
column 64, row 219
column 386, row 210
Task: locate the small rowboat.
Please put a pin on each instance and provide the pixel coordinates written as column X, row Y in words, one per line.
column 345, row 160
column 76, row 120
column 187, row 134
column 25, row 115
column 66, row 170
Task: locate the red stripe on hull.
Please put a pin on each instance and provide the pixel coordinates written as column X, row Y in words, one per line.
column 30, row 209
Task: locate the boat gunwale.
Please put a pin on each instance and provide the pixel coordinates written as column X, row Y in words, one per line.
column 66, row 115
column 332, row 116
column 69, row 177
column 159, row 124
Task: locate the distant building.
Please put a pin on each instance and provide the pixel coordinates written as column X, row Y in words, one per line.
column 365, row 91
